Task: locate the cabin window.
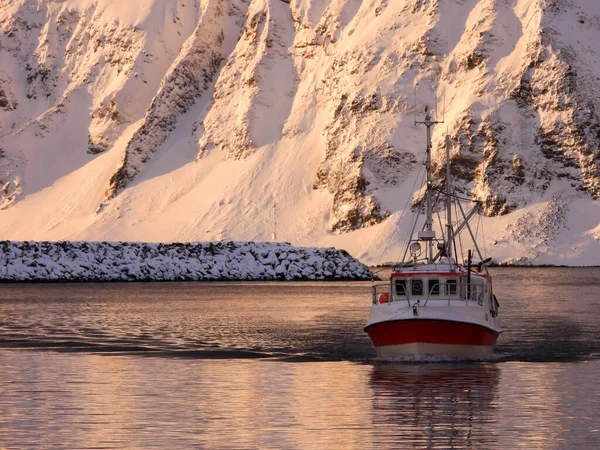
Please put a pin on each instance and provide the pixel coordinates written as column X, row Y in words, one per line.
column 451, row 286
column 400, row 287
column 417, row 287
column 434, row 287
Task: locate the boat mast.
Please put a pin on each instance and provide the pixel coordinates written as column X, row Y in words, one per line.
column 448, row 202
column 429, row 201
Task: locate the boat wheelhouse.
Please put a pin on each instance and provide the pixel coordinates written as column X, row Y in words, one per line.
column 433, row 305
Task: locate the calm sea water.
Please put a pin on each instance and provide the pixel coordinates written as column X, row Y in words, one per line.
column 287, row 365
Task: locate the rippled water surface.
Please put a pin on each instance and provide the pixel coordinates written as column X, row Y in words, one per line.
column 287, row 365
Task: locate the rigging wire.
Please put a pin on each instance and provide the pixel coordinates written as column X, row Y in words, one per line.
column 441, row 225
column 465, row 199
column 398, row 222
column 485, row 253
column 460, row 244
column 480, row 226
column 439, row 217
column 409, row 231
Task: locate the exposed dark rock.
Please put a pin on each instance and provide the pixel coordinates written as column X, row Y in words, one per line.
column 187, row 80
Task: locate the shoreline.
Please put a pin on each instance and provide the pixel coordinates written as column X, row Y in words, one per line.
column 215, row 281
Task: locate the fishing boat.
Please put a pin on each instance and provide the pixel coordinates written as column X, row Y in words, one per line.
column 433, row 305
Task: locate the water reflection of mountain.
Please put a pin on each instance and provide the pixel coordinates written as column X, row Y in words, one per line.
column 435, row 405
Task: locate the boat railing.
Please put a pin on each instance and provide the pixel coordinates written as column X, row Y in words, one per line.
column 383, row 293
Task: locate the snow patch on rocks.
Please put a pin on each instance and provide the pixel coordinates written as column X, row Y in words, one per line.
column 537, row 229
column 137, row 261
column 190, row 76
column 256, row 87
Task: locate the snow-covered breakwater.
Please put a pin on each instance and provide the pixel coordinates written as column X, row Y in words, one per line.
column 137, row 261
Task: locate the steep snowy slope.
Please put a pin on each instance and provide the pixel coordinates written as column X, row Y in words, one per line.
column 186, row 120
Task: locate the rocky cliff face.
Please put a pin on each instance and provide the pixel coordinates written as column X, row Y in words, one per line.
column 190, row 76
column 256, row 86
column 542, row 124
column 328, row 88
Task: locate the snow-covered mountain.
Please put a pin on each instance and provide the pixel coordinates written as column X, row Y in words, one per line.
column 187, row 120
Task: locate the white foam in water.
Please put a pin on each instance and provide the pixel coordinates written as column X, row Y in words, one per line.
column 431, row 359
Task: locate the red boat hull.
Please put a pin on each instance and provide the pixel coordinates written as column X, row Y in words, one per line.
column 431, row 337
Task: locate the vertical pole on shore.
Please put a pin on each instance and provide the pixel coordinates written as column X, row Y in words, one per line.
column 274, row 221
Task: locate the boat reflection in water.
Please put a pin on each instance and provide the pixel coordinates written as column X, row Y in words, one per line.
column 436, row 405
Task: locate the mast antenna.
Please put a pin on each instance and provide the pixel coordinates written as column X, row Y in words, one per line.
column 448, row 201
column 429, row 123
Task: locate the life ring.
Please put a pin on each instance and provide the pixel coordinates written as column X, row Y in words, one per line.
column 384, row 298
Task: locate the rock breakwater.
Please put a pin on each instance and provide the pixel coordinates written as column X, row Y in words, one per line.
column 137, row 261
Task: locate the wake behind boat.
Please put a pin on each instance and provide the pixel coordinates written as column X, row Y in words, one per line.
column 433, row 305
